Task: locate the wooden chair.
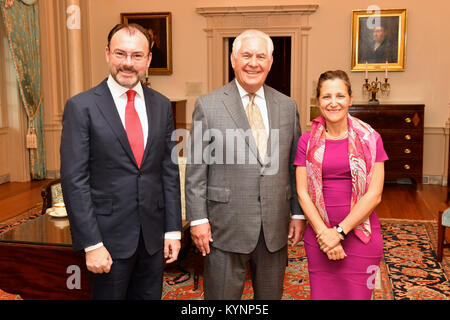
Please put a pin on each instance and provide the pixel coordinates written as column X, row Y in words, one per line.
column 443, row 222
column 51, row 193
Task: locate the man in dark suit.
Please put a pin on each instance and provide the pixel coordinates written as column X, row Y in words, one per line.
column 382, row 49
column 119, row 182
column 158, row 57
column 239, row 200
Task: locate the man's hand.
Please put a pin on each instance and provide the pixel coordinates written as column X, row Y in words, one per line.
column 296, row 231
column 171, row 249
column 201, row 235
column 99, row 260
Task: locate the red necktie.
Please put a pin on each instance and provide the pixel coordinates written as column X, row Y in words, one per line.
column 134, row 128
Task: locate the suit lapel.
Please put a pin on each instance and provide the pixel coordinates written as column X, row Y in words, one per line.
column 106, row 105
column 233, row 104
column 273, row 111
column 152, row 119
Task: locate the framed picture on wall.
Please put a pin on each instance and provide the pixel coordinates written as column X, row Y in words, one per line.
column 159, row 26
column 378, row 40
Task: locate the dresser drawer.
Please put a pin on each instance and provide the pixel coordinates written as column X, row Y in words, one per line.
column 391, row 119
column 399, row 136
column 401, row 128
column 404, row 150
column 402, row 168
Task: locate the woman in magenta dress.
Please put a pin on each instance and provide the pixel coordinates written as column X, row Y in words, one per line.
column 340, row 177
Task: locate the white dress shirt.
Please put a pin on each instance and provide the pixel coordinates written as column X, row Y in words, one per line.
column 260, row 101
column 120, row 98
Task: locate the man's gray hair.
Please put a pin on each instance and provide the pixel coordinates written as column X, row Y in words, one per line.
column 251, row 33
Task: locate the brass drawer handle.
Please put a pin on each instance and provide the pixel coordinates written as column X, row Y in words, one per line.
column 407, row 167
column 408, row 120
column 407, row 150
column 407, row 137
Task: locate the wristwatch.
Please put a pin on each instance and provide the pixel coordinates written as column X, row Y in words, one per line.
column 340, row 231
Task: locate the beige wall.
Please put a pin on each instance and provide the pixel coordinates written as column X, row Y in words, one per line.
column 188, row 42
column 427, row 61
column 425, row 79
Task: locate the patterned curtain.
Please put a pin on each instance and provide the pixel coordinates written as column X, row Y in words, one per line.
column 21, row 19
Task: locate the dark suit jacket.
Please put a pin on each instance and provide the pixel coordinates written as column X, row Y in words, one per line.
column 385, row 52
column 241, row 197
column 108, row 198
column 158, row 58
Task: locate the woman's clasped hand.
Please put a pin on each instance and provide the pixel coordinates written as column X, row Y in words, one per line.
column 329, row 241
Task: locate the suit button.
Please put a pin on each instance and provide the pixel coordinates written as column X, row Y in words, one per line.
column 139, row 174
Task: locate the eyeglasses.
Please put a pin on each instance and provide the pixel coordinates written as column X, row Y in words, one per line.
column 121, row 55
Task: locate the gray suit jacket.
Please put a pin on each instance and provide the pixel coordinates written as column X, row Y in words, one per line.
column 227, row 182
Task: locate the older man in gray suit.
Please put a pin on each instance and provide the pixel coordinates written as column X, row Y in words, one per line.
column 240, row 179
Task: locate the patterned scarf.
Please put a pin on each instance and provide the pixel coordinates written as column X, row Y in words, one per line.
column 362, row 147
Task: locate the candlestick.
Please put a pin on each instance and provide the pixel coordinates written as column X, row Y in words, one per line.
column 145, row 81
column 373, row 88
column 367, row 75
column 386, row 72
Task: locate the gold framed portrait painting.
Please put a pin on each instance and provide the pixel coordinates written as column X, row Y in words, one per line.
column 159, row 26
column 378, row 40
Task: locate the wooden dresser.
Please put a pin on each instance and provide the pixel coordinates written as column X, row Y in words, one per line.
column 401, row 127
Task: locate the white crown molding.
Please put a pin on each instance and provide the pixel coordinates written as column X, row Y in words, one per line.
column 273, row 9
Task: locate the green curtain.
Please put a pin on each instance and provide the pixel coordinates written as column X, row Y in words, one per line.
column 21, row 19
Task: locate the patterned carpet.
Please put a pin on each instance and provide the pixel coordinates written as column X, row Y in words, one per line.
column 30, row 214
column 179, row 285
column 410, row 261
column 409, row 270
